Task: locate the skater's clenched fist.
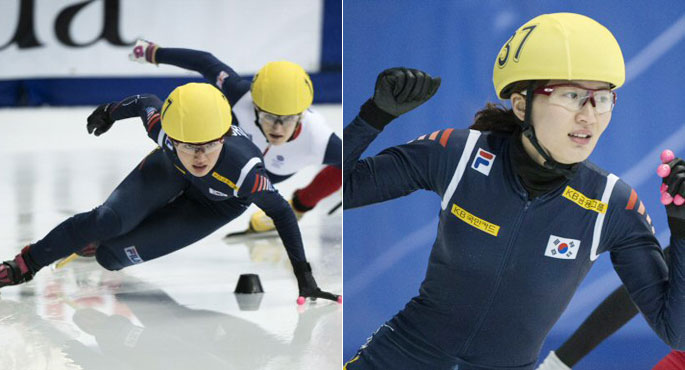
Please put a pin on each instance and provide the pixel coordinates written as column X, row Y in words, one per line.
column 398, row 90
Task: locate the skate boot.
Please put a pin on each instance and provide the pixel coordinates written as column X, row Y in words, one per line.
column 88, row 252
column 19, row 270
column 260, row 222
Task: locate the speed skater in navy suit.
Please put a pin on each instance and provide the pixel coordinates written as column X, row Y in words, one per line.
column 274, row 109
column 524, row 214
column 203, row 174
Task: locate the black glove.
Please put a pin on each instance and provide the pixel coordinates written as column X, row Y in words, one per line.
column 398, row 90
column 307, row 284
column 676, row 186
column 99, row 121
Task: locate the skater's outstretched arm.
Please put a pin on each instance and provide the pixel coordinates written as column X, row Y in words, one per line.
column 145, row 106
column 215, row 71
column 273, row 204
column 258, row 189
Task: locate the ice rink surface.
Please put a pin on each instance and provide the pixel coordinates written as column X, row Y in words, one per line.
column 176, row 312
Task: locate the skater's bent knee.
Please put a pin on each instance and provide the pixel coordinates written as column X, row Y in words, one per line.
column 107, row 221
column 101, row 223
column 107, row 259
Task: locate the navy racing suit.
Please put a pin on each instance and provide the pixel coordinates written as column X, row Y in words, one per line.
column 503, row 266
column 160, row 207
column 313, row 144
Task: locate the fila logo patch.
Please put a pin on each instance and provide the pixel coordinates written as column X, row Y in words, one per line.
column 133, row 255
column 217, row 193
column 483, row 161
column 563, row 248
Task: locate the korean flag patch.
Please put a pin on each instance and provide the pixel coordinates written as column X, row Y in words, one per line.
column 563, row 248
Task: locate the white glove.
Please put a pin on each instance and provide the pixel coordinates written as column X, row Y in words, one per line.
column 552, row 362
column 143, row 52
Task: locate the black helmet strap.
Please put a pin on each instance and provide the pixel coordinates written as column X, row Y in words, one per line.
column 529, row 132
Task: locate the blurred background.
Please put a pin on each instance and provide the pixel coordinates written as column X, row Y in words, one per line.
column 387, row 245
column 61, row 58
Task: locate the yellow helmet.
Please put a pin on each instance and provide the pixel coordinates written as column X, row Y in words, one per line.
column 196, row 113
column 559, row 46
column 282, row 88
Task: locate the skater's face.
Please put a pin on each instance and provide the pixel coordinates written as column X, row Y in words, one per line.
column 199, row 160
column 568, row 118
column 278, row 129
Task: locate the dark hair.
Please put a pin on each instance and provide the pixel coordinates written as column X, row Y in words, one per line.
column 498, row 118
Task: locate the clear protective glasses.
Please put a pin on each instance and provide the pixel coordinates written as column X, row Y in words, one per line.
column 574, row 97
column 271, row 120
column 206, row 148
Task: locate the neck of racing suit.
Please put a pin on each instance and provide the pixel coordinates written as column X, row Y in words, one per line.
column 535, row 178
